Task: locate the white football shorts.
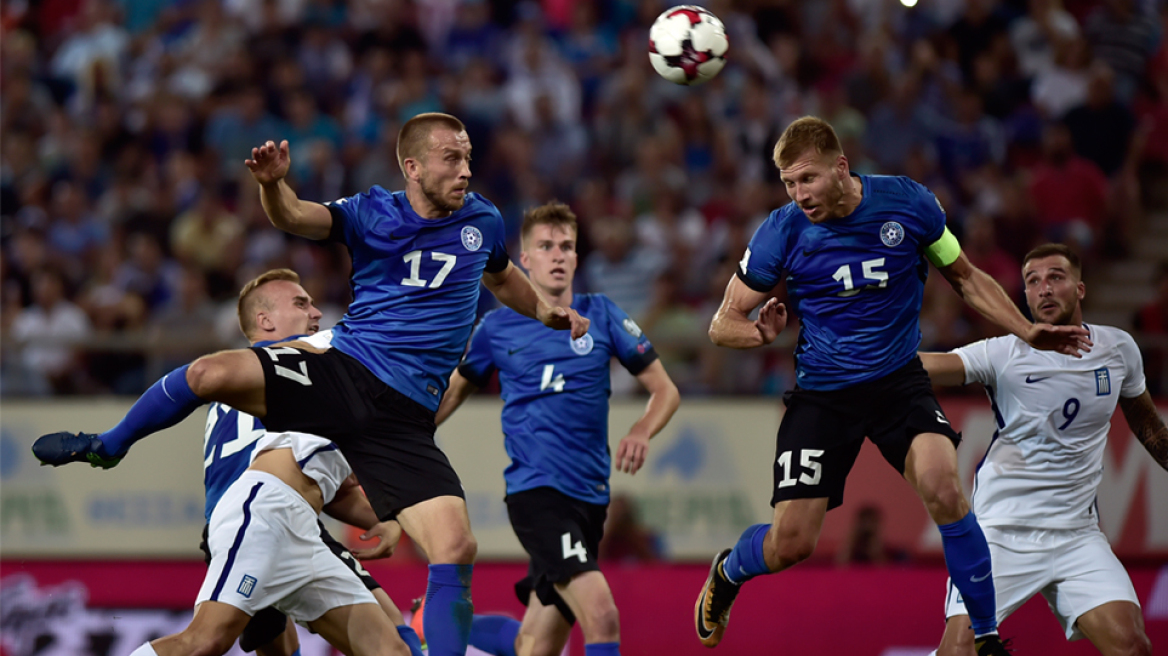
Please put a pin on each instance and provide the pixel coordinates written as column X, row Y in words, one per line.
column 266, row 551
column 1075, row 570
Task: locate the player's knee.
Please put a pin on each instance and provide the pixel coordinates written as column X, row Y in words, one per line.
column 458, row 549
column 205, row 377
column 603, row 622
column 942, row 493
column 1130, row 641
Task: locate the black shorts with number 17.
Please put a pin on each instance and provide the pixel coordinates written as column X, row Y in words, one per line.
column 387, row 437
column 822, row 431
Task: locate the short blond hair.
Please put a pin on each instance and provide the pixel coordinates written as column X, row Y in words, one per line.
column 413, row 137
column 553, row 214
column 803, row 134
column 250, row 300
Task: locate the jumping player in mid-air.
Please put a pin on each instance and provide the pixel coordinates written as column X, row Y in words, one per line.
column 854, row 252
column 555, row 420
column 1035, row 490
column 419, row 257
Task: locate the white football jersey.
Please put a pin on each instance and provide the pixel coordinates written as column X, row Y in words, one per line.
column 1053, row 413
column 319, row 458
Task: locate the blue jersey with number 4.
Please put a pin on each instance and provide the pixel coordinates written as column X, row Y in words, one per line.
column 415, row 286
column 856, row 282
column 555, row 393
column 228, row 441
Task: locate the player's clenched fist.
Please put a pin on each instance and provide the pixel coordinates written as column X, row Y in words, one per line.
column 269, row 163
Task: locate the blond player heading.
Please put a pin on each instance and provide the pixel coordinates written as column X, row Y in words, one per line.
column 1034, row 493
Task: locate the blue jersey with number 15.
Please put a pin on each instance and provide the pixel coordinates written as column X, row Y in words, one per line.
column 415, row 286
column 856, row 282
column 555, row 393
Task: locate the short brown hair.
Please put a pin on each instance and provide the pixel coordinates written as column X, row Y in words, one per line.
column 1047, row 250
column 411, row 140
column 552, row 214
column 803, row 134
column 250, row 301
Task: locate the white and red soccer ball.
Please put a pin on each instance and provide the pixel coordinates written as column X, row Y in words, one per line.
column 687, row 45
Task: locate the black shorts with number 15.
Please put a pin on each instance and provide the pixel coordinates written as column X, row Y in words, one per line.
column 822, row 431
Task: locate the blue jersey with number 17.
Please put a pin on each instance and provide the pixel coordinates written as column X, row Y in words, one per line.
column 415, row 286
column 856, row 282
column 555, row 393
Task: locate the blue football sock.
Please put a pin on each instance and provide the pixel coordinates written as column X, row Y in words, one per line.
column 410, row 637
column 494, row 634
column 746, row 560
column 166, row 403
column 967, row 557
column 448, row 615
column 297, row 652
column 602, row 649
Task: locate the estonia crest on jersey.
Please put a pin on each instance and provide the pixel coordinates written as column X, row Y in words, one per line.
column 472, row 238
column 582, row 346
column 891, row 233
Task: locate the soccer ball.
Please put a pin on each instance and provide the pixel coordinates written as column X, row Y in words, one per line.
column 687, row 45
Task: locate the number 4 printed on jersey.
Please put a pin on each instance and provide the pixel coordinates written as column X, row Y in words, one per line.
column 557, row 383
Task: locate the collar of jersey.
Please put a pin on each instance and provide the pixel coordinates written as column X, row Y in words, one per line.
column 408, row 213
column 276, row 341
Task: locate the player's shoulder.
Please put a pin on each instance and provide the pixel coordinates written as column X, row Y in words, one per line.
column 895, row 190
column 478, row 203
column 1111, row 336
column 592, row 301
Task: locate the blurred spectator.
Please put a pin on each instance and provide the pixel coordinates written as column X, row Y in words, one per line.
column 240, row 125
column 1043, row 31
column 49, row 330
column 864, row 543
column 203, row 235
column 626, row 539
column 980, row 244
column 1124, row 37
column 1069, row 192
column 74, row 232
column 1063, row 86
column 974, row 33
column 621, row 269
column 1102, row 127
column 897, row 126
column 1151, row 321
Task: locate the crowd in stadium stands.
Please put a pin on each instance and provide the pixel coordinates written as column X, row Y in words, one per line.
column 129, row 219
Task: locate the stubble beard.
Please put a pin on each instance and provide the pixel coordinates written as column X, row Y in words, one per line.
column 439, row 201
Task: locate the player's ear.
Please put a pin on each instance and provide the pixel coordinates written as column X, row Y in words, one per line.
column 1082, row 287
column 524, row 261
column 411, row 168
column 264, row 322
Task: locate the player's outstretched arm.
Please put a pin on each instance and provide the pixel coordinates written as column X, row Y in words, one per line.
column 945, row 369
column 659, row 409
column 514, row 289
column 459, row 390
column 732, row 326
column 268, row 165
column 1146, row 424
column 984, row 294
column 350, row 506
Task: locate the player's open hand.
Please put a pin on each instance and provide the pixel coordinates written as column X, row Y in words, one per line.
column 772, row 318
column 269, row 163
column 630, row 455
column 562, row 318
column 1068, row 340
column 387, row 535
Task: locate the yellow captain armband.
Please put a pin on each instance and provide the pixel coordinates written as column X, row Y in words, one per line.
column 944, row 251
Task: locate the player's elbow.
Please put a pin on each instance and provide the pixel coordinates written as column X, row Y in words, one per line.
column 716, row 332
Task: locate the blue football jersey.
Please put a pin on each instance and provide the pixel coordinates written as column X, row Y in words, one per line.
column 856, row 282
column 555, row 393
column 415, row 286
column 228, row 441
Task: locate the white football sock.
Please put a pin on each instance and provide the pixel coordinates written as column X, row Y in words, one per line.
column 144, row 650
